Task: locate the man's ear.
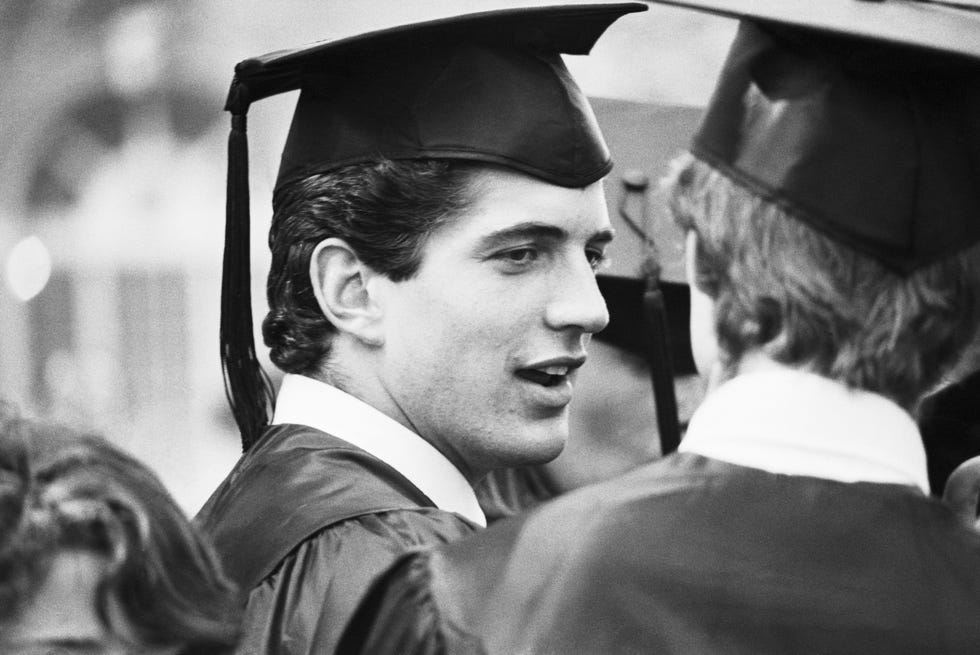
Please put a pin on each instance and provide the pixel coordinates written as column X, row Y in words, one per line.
column 341, row 284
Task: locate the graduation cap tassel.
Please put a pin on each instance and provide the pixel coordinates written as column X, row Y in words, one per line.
column 656, row 338
column 247, row 387
column 661, row 368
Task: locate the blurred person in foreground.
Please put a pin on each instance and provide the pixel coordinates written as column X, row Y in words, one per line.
column 831, row 207
column 96, row 557
column 438, row 220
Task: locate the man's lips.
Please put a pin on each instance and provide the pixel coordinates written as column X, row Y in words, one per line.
column 550, row 372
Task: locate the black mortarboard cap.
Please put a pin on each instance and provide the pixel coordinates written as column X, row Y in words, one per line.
column 861, row 118
column 488, row 87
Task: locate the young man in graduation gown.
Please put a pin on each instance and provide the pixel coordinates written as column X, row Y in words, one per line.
column 831, row 207
column 438, row 219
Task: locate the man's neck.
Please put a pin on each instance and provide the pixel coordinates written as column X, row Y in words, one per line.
column 369, row 389
column 353, row 368
column 305, row 400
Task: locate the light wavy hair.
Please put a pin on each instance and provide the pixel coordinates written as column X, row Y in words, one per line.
column 786, row 290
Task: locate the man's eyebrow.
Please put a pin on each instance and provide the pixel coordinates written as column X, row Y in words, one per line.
column 525, row 230
column 603, row 236
column 530, row 229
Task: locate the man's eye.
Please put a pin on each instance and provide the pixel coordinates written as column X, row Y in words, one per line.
column 597, row 259
column 520, row 256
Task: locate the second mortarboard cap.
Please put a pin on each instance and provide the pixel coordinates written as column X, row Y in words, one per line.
column 488, row 87
column 861, row 118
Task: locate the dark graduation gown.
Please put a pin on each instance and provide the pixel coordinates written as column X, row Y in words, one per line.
column 304, row 522
column 693, row 555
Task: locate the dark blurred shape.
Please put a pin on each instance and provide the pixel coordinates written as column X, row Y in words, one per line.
column 624, row 300
column 104, row 116
column 950, row 424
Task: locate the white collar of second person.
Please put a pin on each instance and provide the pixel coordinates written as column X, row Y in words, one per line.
column 798, row 423
column 305, row 401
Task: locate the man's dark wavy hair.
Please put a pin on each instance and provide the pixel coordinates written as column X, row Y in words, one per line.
column 384, row 211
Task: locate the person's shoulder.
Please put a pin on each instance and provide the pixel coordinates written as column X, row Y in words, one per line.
column 952, row 543
column 300, row 483
column 598, row 528
column 368, row 543
column 321, row 579
column 401, row 529
column 575, row 526
column 657, row 486
column 268, row 466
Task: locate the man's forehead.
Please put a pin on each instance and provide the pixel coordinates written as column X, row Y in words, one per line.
column 508, row 204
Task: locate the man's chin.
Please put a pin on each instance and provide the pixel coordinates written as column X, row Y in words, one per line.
column 538, row 449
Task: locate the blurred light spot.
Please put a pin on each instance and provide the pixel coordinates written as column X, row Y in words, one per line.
column 28, row 268
column 133, row 49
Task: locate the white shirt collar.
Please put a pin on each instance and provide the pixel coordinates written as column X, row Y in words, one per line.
column 797, row 423
column 305, row 401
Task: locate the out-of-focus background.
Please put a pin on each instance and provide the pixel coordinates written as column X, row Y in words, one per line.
column 112, row 167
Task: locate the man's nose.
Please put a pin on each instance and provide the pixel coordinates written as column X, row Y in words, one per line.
column 577, row 302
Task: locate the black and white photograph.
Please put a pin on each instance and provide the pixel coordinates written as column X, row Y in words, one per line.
column 489, row 327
